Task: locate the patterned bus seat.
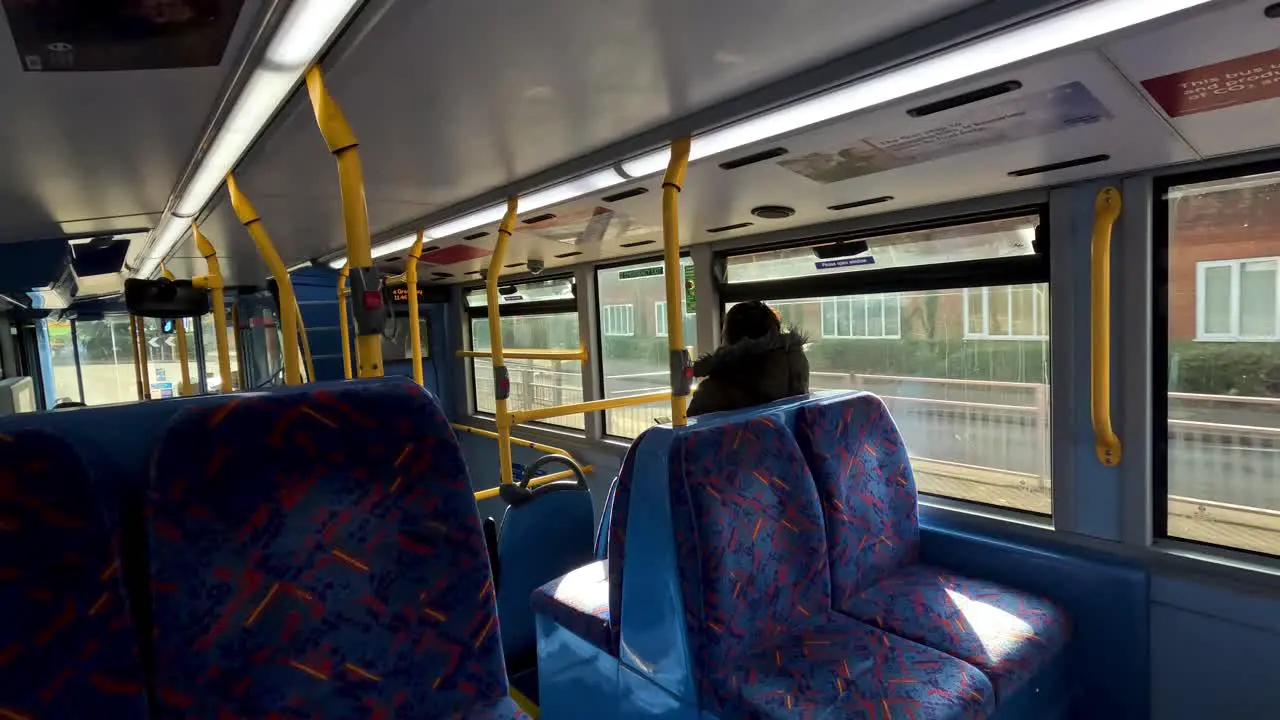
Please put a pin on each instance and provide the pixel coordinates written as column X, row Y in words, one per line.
column 67, row 646
column 868, row 496
column 756, row 584
column 318, row 553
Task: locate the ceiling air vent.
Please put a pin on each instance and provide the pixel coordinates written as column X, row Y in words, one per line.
column 638, row 243
column 727, row 228
column 539, row 218
column 575, row 253
column 475, row 235
column 633, row 192
column 1090, row 160
column 861, row 203
column 962, row 99
column 753, row 158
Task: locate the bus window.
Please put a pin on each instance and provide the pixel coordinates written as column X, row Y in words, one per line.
column 633, row 341
column 62, row 357
column 106, row 360
column 964, row 369
column 1222, row 337
column 535, row 315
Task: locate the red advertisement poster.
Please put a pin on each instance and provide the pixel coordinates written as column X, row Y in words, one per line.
column 1221, row 85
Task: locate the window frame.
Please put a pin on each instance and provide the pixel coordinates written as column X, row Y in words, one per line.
column 1160, row 266
column 1030, row 269
column 1037, row 299
column 1235, row 312
column 847, row 300
column 608, row 311
column 660, row 316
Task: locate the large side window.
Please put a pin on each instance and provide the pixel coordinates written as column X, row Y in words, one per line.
column 949, row 326
column 535, row 315
column 634, row 354
column 1218, row 287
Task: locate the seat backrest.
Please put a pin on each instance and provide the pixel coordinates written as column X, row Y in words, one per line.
column 617, row 508
column 541, row 539
column 67, row 646
column 749, row 537
column 319, row 551
column 867, row 489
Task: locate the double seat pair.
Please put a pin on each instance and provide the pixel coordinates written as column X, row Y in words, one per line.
column 313, row 552
column 767, row 564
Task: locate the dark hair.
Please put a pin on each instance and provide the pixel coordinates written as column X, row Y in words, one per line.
column 750, row 320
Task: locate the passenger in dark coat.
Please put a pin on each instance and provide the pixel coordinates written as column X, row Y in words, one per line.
column 758, row 363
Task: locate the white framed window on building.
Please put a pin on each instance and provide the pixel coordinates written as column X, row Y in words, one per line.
column 660, row 316
column 1011, row 312
column 871, row 317
column 1238, row 300
column 618, row 320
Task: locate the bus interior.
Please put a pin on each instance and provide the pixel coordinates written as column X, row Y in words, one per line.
column 347, row 350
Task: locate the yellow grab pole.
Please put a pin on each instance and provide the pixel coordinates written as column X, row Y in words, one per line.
column 213, row 281
column 181, row 331
column 137, row 362
column 342, row 322
column 548, row 449
column 520, row 417
column 306, row 344
column 523, row 354
column 142, row 354
column 501, row 380
column 681, row 369
column 366, row 298
column 411, row 279
column 1106, row 210
column 235, row 338
column 252, row 222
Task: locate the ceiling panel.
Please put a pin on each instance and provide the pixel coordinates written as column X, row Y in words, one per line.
column 454, row 98
column 1068, row 107
column 1227, row 95
column 98, row 151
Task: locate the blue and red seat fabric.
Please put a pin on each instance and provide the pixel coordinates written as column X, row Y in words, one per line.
column 319, row 554
column 868, row 496
column 764, row 638
column 67, row 643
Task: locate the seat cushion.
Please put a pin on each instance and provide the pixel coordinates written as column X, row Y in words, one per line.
column 579, row 602
column 1008, row 634
column 837, row 667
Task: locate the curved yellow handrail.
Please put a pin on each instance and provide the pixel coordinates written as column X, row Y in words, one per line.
column 252, row 221
column 671, row 185
column 181, row 332
column 342, row 320
column 411, row 279
column 212, row 281
column 1106, row 210
column 342, row 143
column 502, row 417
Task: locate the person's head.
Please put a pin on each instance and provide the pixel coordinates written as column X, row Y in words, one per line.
column 750, row 320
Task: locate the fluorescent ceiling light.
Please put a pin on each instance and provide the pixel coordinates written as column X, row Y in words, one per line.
column 168, row 234
column 338, row 262
column 394, row 246
column 1022, row 43
column 305, row 30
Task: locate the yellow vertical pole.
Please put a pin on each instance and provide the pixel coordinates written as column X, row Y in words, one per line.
column 678, row 353
column 1106, row 211
column 181, row 331
column 137, row 361
column 142, row 355
column 213, row 281
column 235, row 338
column 366, row 301
column 501, row 381
column 342, row 321
column 411, row 279
column 252, row 222
column 306, row 344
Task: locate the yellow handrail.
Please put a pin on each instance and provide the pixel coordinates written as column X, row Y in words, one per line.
column 529, row 354
column 342, row 143
column 252, row 222
column 411, row 279
column 137, row 362
column 181, row 332
column 212, row 281
column 142, row 353
column 501, row 381
column 527, row 416
column 342, row 321
column 237, row 340
column 679, row 355
column 536, row 482
column 1106, row 210
column 306, row 344
column 548, row 449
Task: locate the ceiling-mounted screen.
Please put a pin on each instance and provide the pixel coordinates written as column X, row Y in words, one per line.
column 97, row 35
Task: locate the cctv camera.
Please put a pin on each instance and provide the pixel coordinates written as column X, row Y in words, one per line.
column 536, row 266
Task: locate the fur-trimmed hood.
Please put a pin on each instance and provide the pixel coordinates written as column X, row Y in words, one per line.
column 751, row 372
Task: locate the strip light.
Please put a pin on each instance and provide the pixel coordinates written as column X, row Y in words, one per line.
column 1037, row 38
column 554, row 195
column 306, row 29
